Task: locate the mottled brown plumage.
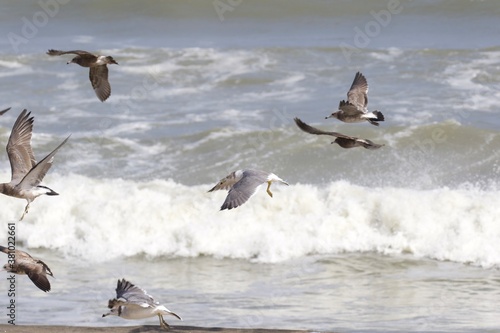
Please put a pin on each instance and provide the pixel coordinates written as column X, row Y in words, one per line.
column 98, row 73
column 24, row 263
column 354, row 109
column 342, row 140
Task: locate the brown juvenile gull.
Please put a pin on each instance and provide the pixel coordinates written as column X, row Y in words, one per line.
column 354, row 110
column 132, row 302
column 21, row 262
column 342, row 140
column 98, row 69
column 3, row 111
column 26, row 173
column 243, row 184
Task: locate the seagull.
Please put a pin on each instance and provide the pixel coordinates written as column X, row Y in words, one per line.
column 3, row 111
column 26, row 173
column 243, row 184
column 21, row 262
column 132, row 302
column 342, row 140
column 354, row 109
column 98, row 69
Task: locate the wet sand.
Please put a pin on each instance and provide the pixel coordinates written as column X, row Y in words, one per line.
column 135, row 329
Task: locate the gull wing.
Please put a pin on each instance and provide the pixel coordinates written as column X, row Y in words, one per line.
column 133, row 295
column 99, row 79
column 3, row 111
column 350, row 109
column 345, row 141
column 35, row 271
column 4, row 249
column 34, row 268
column 83, row 54
column 358, row 93
column 35, row 176
column 19, row 147
column 244, row 189
column 313, row 130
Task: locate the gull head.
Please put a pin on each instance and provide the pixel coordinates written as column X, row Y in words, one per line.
column 112, row 312
column 110, row 60
column 333, row 115
column 75, row 60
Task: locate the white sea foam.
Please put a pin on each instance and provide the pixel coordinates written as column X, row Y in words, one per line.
column 10, row 64
column 99, row 220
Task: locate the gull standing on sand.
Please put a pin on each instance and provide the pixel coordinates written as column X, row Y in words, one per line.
column 98, row 70
column 342, row 140
column 26, row 173
column 132, row 302
column 21, row 262
column 354, row 110
column 3, row 111
column 243, row 184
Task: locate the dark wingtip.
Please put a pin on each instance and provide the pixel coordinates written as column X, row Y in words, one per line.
column 380, row 116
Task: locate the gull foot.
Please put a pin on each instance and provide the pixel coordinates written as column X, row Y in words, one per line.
column 163, row 323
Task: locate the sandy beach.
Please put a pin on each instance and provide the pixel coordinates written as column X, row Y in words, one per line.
column 133, row 329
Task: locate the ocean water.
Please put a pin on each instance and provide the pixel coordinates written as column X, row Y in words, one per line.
column 402, row 239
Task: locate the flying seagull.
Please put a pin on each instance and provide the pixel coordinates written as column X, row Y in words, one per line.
column 354, row 110
column 26, row 173
column 132, row 302
column 3, row 111
column 21, row 262
column 342, row 140
column 243, row 184
column 98, row 69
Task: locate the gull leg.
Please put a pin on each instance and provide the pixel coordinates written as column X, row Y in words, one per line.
column 163, row 323
column 268, row 190
column 25, row 211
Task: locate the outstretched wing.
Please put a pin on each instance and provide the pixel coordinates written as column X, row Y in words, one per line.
column 19, row 146
column 244, row 189
column 36, row 174
column 83, row 54
column 313, row 130
column 128, row 293
column 3, row 111
column 358, row 93
column 99, row 79
column 38, row 276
